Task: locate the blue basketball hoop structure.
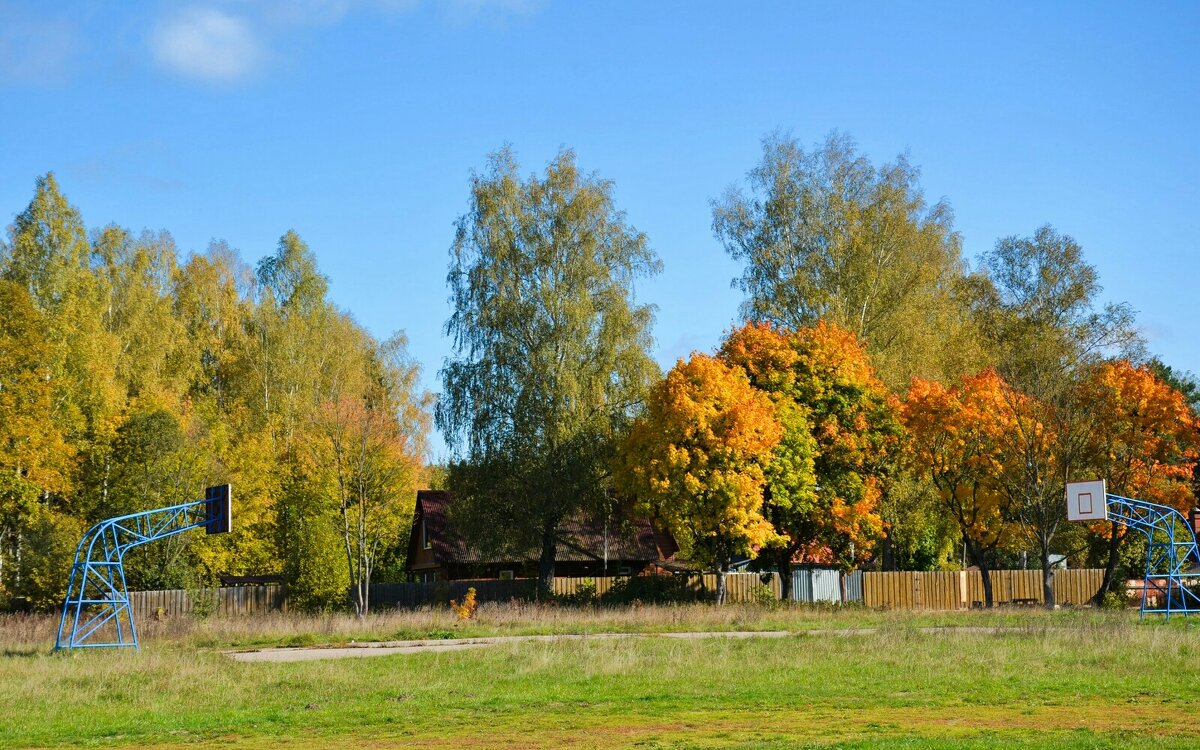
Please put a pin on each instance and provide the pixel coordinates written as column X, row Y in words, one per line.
column 1170, row 550
column 1170, row 544
column 96, row 612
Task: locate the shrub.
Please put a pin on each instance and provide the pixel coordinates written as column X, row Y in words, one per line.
column 584, row 594
column 764, row 596
column 1114, row 600
column 654, row 590
column 204, row 602
column 467, row 607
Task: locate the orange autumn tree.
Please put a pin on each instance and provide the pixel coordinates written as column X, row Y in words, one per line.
column 958, row 440
column 1145, row 441
column 695, row 460
column 840, row 434
column 856, row 425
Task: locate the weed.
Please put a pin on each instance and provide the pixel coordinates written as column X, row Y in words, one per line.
column 465, row 610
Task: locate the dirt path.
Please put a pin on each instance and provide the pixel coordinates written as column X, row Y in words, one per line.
column 385, row 648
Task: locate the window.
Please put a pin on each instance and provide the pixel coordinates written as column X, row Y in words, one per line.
column 506, row 575
column 624, row 570
column 425, row 543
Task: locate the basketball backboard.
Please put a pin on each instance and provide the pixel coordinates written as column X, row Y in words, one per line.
column 218, row 514
column 1087, row 501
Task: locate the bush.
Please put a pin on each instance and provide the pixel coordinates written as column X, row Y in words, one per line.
column 467, row 607
column 1114, row 600
column 584, row 594
column 204, row 602
column 655, row 590
column 764, row 596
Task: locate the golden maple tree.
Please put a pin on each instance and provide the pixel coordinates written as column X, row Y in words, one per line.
column 695, row 460
column 958, row 439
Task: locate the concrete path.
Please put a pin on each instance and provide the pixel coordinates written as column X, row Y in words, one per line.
column 385, row 648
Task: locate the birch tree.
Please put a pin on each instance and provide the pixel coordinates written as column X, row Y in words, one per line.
column 550, row 351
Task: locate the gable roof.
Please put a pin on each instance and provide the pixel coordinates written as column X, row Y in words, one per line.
column 580, row 539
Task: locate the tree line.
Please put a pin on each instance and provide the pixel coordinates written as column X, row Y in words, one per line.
column 131, row 377
column 886, row 402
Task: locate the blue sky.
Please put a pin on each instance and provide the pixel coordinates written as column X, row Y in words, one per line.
column 358, row 122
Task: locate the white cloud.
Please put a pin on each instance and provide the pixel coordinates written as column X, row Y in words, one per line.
column 225, row 40
column 208, row 44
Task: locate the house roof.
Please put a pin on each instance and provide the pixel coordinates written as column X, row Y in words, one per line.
column 581, row 539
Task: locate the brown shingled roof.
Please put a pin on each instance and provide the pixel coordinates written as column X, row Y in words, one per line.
column 581, row 539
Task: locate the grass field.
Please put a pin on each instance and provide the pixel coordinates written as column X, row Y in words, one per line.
column 1069, row 679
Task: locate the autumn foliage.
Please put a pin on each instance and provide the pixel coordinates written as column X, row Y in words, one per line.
column 695, row 459
column 1146, row 441
column 958, row 438
column 841, row 437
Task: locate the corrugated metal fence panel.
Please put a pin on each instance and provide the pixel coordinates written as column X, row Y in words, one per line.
column 802, row 586
column 817, row 585
column 854, row 586
column 827, row 586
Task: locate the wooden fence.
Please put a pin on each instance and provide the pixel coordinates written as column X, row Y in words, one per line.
column 908, row 590
column 964, row 589
column 229, row 601
column 739, row 587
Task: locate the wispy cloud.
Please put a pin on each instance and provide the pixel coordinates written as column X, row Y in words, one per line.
column 35, row 49
column 211, row 41
column 208, row 44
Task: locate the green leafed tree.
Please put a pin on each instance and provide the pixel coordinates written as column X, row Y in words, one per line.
column 550, row 350
column 48, row 249
column 1047, row 332
column 823, row 234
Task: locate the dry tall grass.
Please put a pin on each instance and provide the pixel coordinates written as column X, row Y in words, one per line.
column 23, row 633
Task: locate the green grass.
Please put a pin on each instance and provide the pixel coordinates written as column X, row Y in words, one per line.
column 1058, row 680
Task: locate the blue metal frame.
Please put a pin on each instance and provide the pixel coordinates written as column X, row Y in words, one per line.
column 96, row 592
column 1170, row 544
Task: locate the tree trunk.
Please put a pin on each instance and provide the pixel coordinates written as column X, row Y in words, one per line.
column 1047, row 577
column 546, row 563
column 785, row 575
column 1110, row 568
column 17, row 561
column 888, row 551
column 360, row 595
column 977, row 557
column 988, row 601
column 722, row 570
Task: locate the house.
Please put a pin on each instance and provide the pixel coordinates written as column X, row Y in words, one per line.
column 586, row 547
